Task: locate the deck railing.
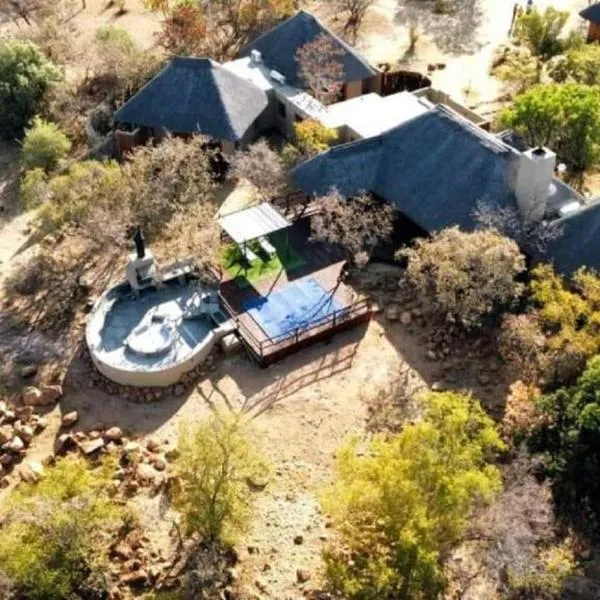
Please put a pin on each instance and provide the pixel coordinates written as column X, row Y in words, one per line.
column 270, row 346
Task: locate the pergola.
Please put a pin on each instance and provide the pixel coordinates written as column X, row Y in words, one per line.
column 253, row 223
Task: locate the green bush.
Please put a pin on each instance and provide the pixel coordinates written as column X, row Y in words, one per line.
column 44, row 146
column 53, row 540
column 541, row 32
column 564, row 117
column 406, row 499
column 215, row 461
column 25, row 76
column 581, row 65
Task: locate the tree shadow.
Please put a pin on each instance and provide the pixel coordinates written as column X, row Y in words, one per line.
column 454, row 32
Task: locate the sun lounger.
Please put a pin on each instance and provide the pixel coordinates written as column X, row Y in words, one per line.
column 267, row 246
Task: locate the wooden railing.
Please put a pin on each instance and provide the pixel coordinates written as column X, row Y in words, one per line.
column 270, row 347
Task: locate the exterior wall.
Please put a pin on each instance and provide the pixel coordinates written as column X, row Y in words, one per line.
column 128, row 140
column 594, row 33
column 353, row 89
column 438, row 97
column 375, row 84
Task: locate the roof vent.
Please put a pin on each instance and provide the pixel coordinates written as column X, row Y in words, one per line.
column 569, row 208
column 278, row 77
column 256, row 57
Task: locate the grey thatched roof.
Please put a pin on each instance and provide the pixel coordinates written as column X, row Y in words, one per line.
column 435, row 169
column 591, row 13
column 279, row 46
column 196, row 95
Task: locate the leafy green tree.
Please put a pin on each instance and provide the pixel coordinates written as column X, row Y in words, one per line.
column 541, row 32
column 581, row 65
column 312, row 138
column 564, row 117
column 216, row 461
column 569, row 440
column 25, row 77
column 406, row 500
column 54, row 541
column 44, row 146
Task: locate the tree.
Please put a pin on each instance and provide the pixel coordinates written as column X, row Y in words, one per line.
column 405, row 500
column 541, row 32
column 520, row 70
column 230, row 24
column 355, row 13
column 564, row 117
column 184, row 30
column 357, row 224
column 25, row 77
column 569, row 440
column 466, row 276
column 312, row 138
column 262, row 167
column 44, row 146
column 215, row 462
column 54, row 542
column 321, row 68
column 581, row 65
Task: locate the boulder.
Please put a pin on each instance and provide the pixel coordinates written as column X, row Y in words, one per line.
column 406, row 318
column 28, row 371
column 24, row 413
column 152, row 445
column 122, row 551
column 146, row 473
column 70, row 418
column 114, row 434
column 51, row 393
column 6, row 434
column 31, row 472
column 25, row 432
column 15, row 445
column 159, row 464
column 302, row 575
column 32, row 396
column 6, row 459
column 136, row 578
column 92, row 446
column 64, row 443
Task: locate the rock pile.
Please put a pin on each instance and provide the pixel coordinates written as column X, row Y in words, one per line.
column 18, row 426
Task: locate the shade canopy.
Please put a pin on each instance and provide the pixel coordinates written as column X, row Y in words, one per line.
column 252, row 223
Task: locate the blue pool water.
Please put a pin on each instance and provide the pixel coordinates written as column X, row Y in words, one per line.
column 298, row 305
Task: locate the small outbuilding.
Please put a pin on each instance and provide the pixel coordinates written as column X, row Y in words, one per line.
column 592, row 15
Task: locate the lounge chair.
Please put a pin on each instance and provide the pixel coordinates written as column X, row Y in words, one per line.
column 248, row 254
column 267, row 246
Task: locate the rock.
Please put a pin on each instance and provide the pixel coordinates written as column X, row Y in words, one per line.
column 391, row 313
column 91, row 447
column 32, row 396
column 159, row 464
column 25, row 432
column 64, row 444
column 3, row 407
column 31, row 472
column 152, row 445
column 28, row 371
column 15, row 445
column 51, row 393
column 10, row 416
column 302, row 575
column 70, row 418
column 132, row 448
column 24, row 413
column 406, row 318
column 437, row 386
column 6, row 459
column 257, row 483
column 136, row 578
column 179, row 390
column 431, row 355
column 122, row 551
column 146, row 473
column 299, row 540
column 41, row 424
column 114, row 434
column 6, row 434
column 261, row 585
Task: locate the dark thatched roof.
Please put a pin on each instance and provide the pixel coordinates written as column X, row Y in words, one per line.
column 279, row 46
column 196, row 95
column 591, row 13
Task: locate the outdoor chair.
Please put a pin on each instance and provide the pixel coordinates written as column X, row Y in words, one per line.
column 267, row 246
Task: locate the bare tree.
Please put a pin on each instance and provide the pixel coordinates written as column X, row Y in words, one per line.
column 321, row 68
column 355, row 11
column 262, row 167
column 357, row 224
column 532, row 236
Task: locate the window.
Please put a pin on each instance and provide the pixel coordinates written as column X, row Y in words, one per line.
column 281, row 109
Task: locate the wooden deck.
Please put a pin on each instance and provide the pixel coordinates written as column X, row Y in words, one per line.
column 325, row 265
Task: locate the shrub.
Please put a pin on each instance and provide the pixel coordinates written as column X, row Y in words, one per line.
column 521, row 414
column 44, row 145
column 569, row 440
column 25, row 77
column 466, row 276
column 407, row 499
column 215, row 461
column 54, row 537
column 313, row 138
column 581, row 65
column 563, row 117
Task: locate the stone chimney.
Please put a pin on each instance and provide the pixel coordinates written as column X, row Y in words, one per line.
column 534, row 177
